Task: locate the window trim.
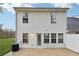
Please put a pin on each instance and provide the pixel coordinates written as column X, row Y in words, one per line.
column 53, row 38
column 25, row 37
column 60, row 38
column 26, row 17
column 26, row 20
column 53, row 18
column 45, row 38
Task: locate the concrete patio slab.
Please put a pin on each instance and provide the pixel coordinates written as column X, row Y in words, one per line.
column 45, row 52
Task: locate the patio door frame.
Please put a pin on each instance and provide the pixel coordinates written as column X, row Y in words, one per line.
column 39, row 40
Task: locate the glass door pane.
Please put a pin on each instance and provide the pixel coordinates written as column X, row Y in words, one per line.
column 39, row 39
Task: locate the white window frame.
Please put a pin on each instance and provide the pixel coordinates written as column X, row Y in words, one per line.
column 60, row 37
column 25, row 15
column 53, row 38
column 25, row 37
column 53, row 18
column 46, row 38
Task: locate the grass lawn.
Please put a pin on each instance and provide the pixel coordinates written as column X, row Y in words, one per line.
column 5, row 45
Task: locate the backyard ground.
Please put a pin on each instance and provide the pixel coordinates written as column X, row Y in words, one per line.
column 45, row 52
column 5, row 45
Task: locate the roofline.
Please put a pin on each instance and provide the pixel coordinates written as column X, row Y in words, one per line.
column 73, row 17
column 37, row 8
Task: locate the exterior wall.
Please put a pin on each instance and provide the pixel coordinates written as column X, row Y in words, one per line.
column 39, row 22
column 72, row 42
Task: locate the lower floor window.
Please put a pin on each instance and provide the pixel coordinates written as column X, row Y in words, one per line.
column 46, row 40
column 25, row 37
column 53, row 40
column 53, row 37
column 60, row 40
column 25, row 40
column 46, row 37
column 60, row 37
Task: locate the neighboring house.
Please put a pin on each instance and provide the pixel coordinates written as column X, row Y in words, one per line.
column 40, row 27
column 72, row 25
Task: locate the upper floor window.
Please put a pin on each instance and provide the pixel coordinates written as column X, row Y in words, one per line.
column 53, row 18
column 25, row 18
